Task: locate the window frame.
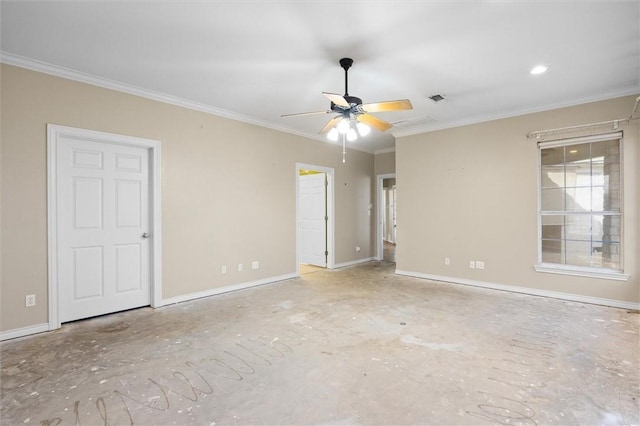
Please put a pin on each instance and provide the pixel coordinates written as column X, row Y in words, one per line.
column 584, row 271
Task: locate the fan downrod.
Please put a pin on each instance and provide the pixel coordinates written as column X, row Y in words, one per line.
column 346, row 63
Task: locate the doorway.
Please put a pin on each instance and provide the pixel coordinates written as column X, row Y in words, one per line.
column 387, row 225
column 104, row 223
column 314, row 217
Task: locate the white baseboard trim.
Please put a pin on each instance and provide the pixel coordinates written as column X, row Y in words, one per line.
column 525, row 290
column 24, row 331
column 226, row 289
column 353, row 263
column 41, row 328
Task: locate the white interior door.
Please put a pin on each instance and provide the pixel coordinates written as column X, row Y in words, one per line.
column 103, row 228
column 313, row 219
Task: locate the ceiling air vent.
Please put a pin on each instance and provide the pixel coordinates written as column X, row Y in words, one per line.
column 436, row 98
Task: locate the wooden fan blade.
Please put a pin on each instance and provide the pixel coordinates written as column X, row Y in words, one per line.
column 337, row 99
column 374, row 122
column 388, row 106
column 330, row 124
column 306, row 113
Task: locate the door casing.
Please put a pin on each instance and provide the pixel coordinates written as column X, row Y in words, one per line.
column 380, row 213
column 54, row 132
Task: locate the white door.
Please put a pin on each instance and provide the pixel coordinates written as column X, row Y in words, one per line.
column 103, row 228
column 313, row 219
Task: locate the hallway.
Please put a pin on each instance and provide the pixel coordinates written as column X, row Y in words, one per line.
column 389, row 254
column 358, row 345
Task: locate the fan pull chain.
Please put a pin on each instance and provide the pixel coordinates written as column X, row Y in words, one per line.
column 344, row 149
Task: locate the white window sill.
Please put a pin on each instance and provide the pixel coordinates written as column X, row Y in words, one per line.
column 606, row 274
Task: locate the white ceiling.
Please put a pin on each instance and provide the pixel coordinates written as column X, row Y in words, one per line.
column 257, row 60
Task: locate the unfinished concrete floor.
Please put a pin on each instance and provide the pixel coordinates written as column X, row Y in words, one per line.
column 352, row 346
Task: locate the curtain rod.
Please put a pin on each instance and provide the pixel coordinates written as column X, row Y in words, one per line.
column 614, row 123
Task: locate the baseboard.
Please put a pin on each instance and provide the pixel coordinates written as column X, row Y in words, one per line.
column 353, row 262
column 41, row 328
column 23, row 331
column 226, row 289
column 525, row 290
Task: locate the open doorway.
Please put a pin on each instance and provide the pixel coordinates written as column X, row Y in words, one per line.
column 387, row 225
column 314, row 216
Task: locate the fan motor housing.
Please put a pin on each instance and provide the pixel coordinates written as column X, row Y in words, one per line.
column 353, row 100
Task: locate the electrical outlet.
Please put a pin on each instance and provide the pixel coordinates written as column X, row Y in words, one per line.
column 447, row 261
column 30, row 300
column 239, row 267
column 223, row 269
column 255, row 264
column 479, row 264
column 472, row 264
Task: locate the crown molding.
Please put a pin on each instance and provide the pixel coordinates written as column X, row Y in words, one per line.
column 69, row 74
column 431, row 127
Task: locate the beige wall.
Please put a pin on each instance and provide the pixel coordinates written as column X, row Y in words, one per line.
column 470, row 193
column 385, row 163
column 228, row 189
column 229, row 193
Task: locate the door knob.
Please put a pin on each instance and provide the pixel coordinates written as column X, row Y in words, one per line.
column 145, row 235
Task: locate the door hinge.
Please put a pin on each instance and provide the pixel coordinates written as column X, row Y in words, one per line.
column 326, row 218
column 326, row 253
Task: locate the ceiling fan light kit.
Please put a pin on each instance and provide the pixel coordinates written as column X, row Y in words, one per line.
column 354, row 119
column 363, row 129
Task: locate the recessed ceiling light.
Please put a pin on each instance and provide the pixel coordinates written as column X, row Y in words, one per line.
column 539, row 69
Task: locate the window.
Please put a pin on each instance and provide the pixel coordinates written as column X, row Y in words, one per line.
column 580, row 222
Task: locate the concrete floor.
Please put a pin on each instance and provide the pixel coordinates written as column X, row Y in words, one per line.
column 352, row 346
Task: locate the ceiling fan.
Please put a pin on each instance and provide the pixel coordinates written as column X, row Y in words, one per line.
column 353, row 116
